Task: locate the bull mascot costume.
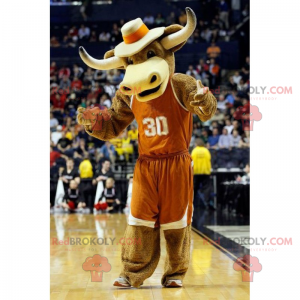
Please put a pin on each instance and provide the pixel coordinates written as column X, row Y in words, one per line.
column 163, row 103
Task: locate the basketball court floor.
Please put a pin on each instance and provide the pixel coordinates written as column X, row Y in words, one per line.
column 211, row 275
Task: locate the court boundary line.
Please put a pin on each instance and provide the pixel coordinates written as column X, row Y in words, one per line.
column 222, row 249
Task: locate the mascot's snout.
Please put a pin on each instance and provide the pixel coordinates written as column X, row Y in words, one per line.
column 147, row 80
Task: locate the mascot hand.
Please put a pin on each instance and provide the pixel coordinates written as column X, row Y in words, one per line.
column 201, row 98
column 81, row 119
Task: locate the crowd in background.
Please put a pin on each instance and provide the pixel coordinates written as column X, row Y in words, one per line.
column 216, row 25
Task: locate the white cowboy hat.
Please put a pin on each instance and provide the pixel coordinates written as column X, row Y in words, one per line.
column 136, row 36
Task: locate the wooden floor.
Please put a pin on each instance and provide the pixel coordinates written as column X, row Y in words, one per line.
column 210, row 276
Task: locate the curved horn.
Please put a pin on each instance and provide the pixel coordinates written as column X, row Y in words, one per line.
column 100, row 64
column 182, row 35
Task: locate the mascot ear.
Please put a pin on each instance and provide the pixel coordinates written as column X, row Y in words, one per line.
column 111, row 53
column 171, row 29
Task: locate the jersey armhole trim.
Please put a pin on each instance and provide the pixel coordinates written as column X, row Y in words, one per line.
column 176, row 95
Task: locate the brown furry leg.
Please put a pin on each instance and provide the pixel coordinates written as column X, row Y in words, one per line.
column 140, row 259
column 178, row 253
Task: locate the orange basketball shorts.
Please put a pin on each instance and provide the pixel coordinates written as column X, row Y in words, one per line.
column 162, row 191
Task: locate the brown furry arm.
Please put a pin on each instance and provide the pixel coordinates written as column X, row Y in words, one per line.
column 121, row 117
column 191, row 97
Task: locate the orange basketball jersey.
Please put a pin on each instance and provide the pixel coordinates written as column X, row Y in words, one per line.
column 164, row 124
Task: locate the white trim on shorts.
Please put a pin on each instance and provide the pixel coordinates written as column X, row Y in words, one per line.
column 139, row 222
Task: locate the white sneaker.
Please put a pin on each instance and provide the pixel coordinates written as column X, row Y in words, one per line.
column 173, row 283
column 121, row 282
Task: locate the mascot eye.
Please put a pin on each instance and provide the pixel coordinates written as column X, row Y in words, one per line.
column 129, row 60
column 150, row 54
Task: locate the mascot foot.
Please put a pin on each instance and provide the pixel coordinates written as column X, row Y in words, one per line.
column 173, row 283
column 121, row 282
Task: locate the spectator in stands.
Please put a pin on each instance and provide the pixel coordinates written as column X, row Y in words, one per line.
column 104, row 36
column 133, row 136
column 242, row 86
column 93, row 37
column 69, row 173
column 213, row 51
column 237, row 126
column 76, row 84
column 231, row 84
column 214, row 70
column 117, row 77
column 73, row 33
column 77, row 71
column 86, row 176
column 206, row 35
column 235, row 140
column 159, row 21
column 81, row 149
column 245, row 178
column 202, row 170
column 84, row 32
column 228, row 126
column 71, row 105
column 100, row 76
column 224, row 13
column 108, row 151
column 104, row 172
column 214, row 139
column 171, row 18
column 202, row 69
column 54, row 155
column 218, row 116
column 67, row 42
column 64, row 144
column 54, row 42
column 109, row 89
column 105, row 101
column 73, row 198
column 182, row 18
column 148, row 20
column 64, row 71
column 53, row 71
column 192, row 72
column 236, row 77
column 245, row 140
column 56, row 135
column 204, row 136
column 214, row 29
column 65, row 83
column 53, row 122
column 116, row 33
column 221, row 103
column 225, row 140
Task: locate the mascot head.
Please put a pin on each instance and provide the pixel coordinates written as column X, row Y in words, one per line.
column 147, row 55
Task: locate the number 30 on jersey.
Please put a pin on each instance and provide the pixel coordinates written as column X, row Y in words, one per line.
column 157, row 126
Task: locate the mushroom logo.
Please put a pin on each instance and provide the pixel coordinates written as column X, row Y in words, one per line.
column 96, row 265
column 240, row 265
column 248, row 114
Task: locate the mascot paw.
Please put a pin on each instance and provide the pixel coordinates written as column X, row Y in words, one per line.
column 92, row 118
column 200, row 98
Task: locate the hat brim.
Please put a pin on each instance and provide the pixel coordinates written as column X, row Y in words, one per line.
column 125, row 50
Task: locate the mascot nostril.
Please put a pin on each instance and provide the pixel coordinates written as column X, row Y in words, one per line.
column 153, row 79
column 163, row 104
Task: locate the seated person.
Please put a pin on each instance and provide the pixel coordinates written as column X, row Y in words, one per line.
column 72, row 198
column 123, row 145
column 109, row 196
